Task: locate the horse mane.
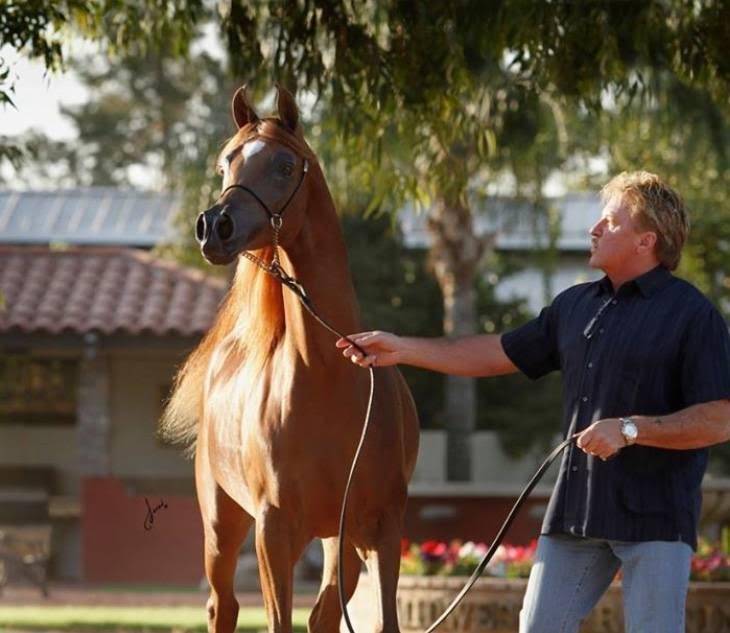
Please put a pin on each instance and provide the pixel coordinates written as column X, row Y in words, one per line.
column 252, row 314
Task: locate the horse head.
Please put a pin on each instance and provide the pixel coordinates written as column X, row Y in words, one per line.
column 264, row 167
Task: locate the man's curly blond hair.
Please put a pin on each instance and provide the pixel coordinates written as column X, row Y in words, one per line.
column 654, row 206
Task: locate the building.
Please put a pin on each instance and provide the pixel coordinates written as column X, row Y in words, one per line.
column 92, row 326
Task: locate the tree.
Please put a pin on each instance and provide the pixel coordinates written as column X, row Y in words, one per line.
column 37, row 29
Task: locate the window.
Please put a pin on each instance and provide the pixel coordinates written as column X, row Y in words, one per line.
column 38, row 390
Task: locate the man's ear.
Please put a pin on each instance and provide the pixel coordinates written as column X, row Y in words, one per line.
column 287, row 107
column 647, row 241
column 243, row 112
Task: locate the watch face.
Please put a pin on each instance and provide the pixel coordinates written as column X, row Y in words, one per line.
column 629, row 430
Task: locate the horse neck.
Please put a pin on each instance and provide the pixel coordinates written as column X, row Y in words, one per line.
column 318, row 260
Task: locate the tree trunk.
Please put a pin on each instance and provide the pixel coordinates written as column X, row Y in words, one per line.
column 455, row 254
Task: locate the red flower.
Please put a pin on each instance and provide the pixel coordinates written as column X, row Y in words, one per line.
column 433, row 551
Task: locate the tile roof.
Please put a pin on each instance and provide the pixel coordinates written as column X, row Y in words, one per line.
column 89, row 215
column 107, row 290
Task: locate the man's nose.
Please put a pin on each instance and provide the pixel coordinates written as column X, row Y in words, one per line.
column 215, row 221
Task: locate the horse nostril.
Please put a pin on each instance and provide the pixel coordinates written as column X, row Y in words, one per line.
column 201, row 229
column 224, row 226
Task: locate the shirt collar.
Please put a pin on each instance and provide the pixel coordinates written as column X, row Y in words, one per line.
column 647, row 284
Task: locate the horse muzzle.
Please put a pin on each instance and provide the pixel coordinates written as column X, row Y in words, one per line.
column 215, row 230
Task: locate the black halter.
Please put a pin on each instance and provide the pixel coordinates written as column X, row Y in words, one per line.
column 274, row 217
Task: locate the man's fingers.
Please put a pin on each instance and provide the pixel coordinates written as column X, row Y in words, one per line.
column 361, row 338
column 363, row 361
column 350, row 339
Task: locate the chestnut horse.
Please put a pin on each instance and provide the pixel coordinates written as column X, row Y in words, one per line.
column 273, row 411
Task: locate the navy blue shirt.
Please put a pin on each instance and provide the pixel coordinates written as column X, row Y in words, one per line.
column 653, row 348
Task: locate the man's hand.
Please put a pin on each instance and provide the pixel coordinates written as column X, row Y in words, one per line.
column 382, row 349
column 602, row 439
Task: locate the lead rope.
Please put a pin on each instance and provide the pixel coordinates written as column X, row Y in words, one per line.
column 275, row 270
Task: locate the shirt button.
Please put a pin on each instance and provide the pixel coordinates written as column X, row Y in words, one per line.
column 600, row 331
column 584, row 398
column 574, row 469
column 590, row 365
column 614, row 302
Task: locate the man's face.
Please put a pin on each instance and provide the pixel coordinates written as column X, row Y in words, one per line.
column 614, row 238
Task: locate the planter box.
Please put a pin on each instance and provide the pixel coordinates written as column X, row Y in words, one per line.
column 493, row 606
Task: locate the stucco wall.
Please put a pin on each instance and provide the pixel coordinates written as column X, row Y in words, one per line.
column 33, row 445
column 137, row 384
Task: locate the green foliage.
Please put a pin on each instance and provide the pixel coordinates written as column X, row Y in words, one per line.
column 38, row 29
column 523, row 412
column 683, row 135
column 150, row 111
column 35, row 27
column 396, row 293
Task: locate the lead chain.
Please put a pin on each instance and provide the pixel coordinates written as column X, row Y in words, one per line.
column 276, row 222
column 274, row 268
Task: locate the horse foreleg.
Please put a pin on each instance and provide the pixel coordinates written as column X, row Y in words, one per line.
column 326, row 614
column 383, row 564
column 278, row 546
column 225, row 525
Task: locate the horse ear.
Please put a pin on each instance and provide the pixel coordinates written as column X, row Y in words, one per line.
column 243, row 113
column 287, row 107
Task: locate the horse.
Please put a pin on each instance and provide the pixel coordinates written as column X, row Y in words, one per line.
column 267, row 404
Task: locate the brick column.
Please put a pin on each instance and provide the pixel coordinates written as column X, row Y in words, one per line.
column 94, row 419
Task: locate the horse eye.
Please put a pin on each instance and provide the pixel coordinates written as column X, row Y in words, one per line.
column 287, row 169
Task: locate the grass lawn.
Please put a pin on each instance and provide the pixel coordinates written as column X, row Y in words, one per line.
column 178, row 619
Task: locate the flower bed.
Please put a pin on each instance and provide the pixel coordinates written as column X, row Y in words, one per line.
column 710, row 563
column 438, row 558
column 433, row 572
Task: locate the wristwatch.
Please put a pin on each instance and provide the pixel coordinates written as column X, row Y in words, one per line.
column 629, row 430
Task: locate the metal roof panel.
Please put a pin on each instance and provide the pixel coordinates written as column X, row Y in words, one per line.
column 93, row 215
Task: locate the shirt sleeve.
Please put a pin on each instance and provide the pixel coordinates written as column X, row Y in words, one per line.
column 533, row 347
column 705, row 371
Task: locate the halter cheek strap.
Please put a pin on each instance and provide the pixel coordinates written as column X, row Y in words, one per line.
column 273, row 216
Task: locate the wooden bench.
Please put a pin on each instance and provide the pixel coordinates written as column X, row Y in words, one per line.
column 25, row 524
column 24, row 552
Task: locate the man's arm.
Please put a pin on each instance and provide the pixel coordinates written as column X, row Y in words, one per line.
column 696, row 426
column 480, row 355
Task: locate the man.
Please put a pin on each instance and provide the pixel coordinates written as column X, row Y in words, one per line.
column 645, row 360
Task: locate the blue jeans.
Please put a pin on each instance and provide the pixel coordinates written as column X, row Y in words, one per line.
column 571, row 574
